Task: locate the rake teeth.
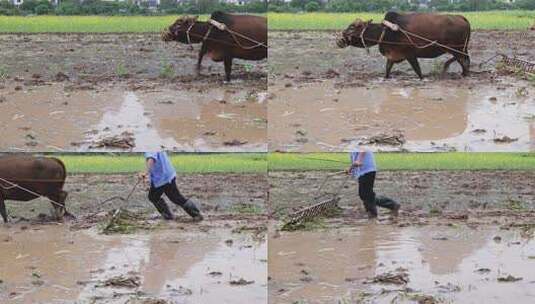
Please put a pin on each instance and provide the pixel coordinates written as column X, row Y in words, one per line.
column 526, row 66
column 311, row 212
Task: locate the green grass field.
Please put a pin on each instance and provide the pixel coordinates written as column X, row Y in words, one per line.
column 259, row 163
column 184, row 163
column 277, row 21
column 506, row 20
column 81, row 24
column 405, row 161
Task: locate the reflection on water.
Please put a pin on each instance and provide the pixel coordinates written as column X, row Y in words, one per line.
column 431, row 118
column 130, row 117
column 323, row 267
column 55, row 117
column 55, row 265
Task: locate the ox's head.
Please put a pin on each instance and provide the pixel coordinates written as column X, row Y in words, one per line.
column 352, row 34
column 178, row 31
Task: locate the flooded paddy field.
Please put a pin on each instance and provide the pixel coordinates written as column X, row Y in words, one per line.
column 137, row 257
column 126, row 92
column 323, row 98
column 461, row 237
column 375, row 263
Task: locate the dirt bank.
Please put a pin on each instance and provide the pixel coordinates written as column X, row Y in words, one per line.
column 110, row 57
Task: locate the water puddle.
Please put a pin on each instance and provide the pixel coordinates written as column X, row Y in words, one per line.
column 132, row 119
column 319, row 116
column 453, row 265
column 52, row 118
column 55, row 265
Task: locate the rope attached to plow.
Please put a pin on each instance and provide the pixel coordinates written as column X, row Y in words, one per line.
column 12, row 185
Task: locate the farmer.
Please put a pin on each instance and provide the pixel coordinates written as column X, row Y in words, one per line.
column 363, row 168
column 162, row 179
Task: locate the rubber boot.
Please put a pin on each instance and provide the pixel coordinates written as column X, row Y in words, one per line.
column 191, row 208
column 371, row 209
column 164, row 210
column 388, row 203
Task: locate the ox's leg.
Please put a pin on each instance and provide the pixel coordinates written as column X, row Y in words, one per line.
column 415, row 66
column 62, row 199
column 389, row 65
column 228, row 68
column 447, row 65
column 202, row 52
column 59, row 204
column 465, row 64
column 3, row 211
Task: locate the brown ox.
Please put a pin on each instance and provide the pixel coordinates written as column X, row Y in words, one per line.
column 451, row 31
column 43, row 176
column 245, row 37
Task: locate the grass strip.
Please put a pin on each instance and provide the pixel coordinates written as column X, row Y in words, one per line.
column 405, row 161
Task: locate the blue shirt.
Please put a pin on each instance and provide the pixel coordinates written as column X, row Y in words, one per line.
column 162, row 171
column 368, row 164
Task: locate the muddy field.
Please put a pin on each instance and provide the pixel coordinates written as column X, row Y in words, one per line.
column 417, row 191
column 136, row 257
column 323, row 98
column 462, row 237
column 217, row 193
column 125, row 92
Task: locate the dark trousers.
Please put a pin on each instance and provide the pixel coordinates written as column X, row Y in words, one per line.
column 171, row 191
column 368, row 197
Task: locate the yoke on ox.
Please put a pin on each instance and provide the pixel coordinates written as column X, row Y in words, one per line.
column 223, row 37
column 24, row 178
column 411, row 36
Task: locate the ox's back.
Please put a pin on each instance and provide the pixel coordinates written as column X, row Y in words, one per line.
column 445, row 28
column 251, row 26
column 39, row 174
column 450, row 30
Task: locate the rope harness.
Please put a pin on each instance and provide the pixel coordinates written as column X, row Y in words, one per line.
column 396, row 28
column 12, row 185
column 224, row 28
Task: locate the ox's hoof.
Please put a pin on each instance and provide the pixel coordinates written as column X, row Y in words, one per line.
column 69, row 216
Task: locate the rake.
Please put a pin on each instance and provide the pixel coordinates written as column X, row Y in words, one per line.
column 323, row 204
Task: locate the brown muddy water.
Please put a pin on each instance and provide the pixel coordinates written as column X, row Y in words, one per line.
column 56, row 117
column 450, row 264
column 51, row 264
column 440, row 116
